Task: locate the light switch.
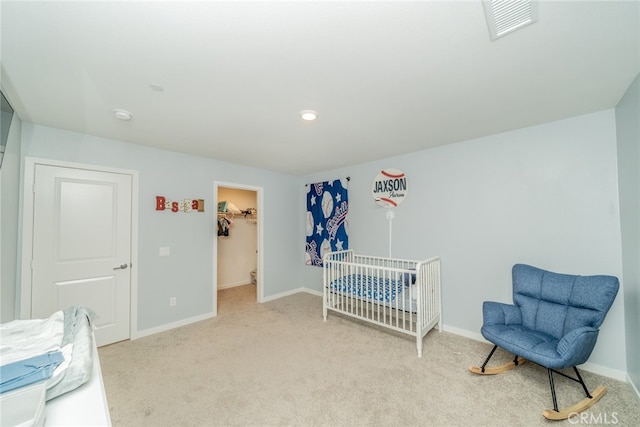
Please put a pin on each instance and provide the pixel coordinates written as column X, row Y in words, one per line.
column 165, row 251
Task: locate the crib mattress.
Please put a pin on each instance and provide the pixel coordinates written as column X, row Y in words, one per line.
column 390, row 292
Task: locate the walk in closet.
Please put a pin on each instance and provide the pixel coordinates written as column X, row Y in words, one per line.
column 237, row 237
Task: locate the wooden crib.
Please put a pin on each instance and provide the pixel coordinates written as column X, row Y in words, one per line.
column 399, row 294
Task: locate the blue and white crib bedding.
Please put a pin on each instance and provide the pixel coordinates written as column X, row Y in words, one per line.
column 383, row 290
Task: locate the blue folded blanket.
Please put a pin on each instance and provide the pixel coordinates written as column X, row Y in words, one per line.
column 29, row 371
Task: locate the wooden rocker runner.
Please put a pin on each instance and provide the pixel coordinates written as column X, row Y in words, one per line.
column 554, row 322
column 483, row 370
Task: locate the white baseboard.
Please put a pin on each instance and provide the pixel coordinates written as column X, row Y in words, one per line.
column 283, row 294
column 633, row 386
column 169, row 326
column 464, row 333
column 605, row 372
column 184, row 322
column 233, row 284
column 312, row 292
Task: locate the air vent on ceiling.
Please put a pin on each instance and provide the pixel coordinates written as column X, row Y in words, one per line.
column 506, row 16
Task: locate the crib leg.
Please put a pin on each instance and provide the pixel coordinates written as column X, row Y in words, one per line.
column 419, row 344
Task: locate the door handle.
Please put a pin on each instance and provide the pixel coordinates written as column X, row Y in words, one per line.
column 121, row 266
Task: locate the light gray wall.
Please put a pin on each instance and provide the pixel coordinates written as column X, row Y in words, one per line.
column 9, row 221
column 544, row 195
column 628, row 133
column 187, row 273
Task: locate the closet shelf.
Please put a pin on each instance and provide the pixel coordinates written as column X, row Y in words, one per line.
column 250, row 214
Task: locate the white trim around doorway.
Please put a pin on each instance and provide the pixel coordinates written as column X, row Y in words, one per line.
column 260, row 208
column 30, row 164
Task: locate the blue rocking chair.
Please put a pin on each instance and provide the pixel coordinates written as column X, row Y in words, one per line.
column 553, row 322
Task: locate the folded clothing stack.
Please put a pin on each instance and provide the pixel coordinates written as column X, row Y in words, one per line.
column 28, row 371
column 57, row 350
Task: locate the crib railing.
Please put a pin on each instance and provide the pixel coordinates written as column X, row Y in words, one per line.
column 400, row 294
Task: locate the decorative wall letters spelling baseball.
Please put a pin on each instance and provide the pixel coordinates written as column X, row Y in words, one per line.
column 389, row 188
column 185, row 205
column 327, row 208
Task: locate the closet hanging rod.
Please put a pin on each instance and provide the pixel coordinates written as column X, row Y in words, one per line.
column 245, row 214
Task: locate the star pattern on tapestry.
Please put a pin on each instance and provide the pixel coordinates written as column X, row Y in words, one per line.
column 327, row 208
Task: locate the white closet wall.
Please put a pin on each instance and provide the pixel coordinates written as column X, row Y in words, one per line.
column 237, row 253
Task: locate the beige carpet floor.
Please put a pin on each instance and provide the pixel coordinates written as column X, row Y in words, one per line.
column 280, row 364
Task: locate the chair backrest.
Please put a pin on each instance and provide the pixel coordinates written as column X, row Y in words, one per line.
column 558, row 303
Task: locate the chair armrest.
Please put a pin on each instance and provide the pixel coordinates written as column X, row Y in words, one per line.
column 497, row 313
column 578, row 344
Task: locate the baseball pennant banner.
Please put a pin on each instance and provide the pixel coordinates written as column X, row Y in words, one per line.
column 327, row 208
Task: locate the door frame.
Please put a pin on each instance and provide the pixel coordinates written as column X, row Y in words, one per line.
column 30, row 164
column 259, row 243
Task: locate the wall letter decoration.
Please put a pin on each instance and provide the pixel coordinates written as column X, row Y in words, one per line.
column 160, row 202
column 186, row 205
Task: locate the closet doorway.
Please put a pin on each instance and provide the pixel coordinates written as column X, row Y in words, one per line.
column 238, row 241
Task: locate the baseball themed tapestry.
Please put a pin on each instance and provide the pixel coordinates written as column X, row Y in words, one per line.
column 327, row 207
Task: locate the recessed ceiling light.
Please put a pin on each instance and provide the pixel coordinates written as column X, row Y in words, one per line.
column 156, row 87
column 122, row 114
column 308, row 114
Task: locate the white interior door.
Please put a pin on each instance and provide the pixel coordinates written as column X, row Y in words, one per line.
column 82, row 246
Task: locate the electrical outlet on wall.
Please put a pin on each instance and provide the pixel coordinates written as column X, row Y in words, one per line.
column 172, row 302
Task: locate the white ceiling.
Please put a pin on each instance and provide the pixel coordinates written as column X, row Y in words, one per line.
column 386, row 77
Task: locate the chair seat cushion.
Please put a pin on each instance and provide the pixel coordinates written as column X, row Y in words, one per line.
column 535, row 346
